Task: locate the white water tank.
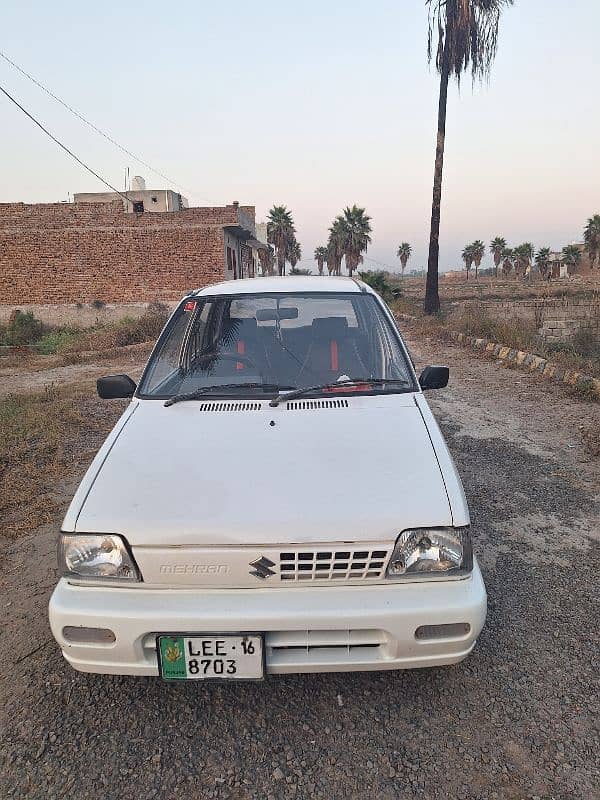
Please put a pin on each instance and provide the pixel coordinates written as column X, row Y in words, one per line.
column 138, row 184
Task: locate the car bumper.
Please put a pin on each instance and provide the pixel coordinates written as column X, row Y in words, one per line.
column 342, row 628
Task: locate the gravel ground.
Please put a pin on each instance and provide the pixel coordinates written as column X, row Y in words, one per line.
column 518, row 719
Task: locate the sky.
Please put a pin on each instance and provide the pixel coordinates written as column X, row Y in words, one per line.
column 315, row 105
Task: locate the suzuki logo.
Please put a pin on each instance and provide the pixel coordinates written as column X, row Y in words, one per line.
column 262, row 568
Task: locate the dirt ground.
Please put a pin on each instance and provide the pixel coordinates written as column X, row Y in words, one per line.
column 33, row 374
column 518, row 719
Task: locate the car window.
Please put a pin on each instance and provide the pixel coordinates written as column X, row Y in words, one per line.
column 288, row 340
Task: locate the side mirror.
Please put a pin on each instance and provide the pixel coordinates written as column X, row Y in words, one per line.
column 113, row 386
column 434, row 378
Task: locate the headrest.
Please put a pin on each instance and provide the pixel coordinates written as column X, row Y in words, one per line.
column 329, row 327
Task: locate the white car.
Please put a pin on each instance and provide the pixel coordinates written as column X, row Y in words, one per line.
column 276, row 498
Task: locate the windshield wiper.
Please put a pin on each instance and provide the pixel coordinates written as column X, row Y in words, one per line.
column 180, row 398
column 346, row 382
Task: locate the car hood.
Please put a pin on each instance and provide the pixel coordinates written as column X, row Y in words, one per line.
column 242, row 473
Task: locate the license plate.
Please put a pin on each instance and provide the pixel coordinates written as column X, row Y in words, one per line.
column 210, row 657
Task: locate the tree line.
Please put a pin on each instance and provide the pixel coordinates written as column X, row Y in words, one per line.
column 519, row 260
column 349, row 238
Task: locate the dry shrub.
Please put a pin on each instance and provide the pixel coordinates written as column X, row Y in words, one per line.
column 23, row 328
column 591, row 440
column 586, row 343
column 42, row 436
column 517, row 332
column 581, row 353
column 126, row 331
column 407, row 305
column 514, row 331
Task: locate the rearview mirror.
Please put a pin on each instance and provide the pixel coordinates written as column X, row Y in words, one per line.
column 434, row 378
column 272, row 314
column 112, row 386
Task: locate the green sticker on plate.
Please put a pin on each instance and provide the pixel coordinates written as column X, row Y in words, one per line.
column 172, row 657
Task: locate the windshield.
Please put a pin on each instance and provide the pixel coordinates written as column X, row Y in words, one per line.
column 284, row 341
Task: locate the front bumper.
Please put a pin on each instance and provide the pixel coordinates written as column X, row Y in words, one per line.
column 342, row 628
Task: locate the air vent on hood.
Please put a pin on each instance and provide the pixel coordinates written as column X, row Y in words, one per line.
column 307, row 405
column 222, row 406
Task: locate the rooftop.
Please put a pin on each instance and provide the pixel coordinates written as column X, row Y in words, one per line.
column 286, row 283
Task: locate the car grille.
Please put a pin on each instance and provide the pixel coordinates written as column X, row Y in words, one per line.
column 307, row 640
column 332, row 564
column 306, row 648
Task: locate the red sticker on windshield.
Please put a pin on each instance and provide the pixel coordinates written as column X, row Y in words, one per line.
column 190, row 305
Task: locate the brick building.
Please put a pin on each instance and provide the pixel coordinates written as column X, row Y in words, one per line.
column 77, row 253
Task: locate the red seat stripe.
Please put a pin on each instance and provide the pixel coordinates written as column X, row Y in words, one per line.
column 333, row 349
column 241, row 348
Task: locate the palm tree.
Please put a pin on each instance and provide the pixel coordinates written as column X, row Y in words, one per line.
column 335, row 246
column 354, row 232
column 465, row 35
column 497, row 245
column 591, row 239
column 281, row 234
column 523, row 256
column 571, row 255
column 467, row 257
column 519, row 259
column 267, row 261
column 294, row 253
column 478, row 250
column 542, row 261
column 507, row 260
column 403, row 254
column 320, row 257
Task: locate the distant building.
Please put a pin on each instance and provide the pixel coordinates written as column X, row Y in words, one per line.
column 562, row 270
column 139, row 199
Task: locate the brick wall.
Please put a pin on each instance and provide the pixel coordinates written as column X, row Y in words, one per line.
column 557, row 320
column 75, row 253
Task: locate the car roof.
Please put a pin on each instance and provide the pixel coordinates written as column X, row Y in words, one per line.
column 286, row 284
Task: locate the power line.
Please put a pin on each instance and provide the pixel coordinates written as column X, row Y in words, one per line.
column 91, row 124
column 60, row 144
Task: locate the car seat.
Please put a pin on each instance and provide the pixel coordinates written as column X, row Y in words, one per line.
column 332, row 352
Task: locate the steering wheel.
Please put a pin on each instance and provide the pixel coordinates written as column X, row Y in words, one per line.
column 230, row 357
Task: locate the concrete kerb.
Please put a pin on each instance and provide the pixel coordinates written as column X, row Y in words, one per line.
column 531, row 361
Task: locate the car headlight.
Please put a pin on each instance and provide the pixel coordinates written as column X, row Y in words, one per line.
column 96, row 555
column 431, row 552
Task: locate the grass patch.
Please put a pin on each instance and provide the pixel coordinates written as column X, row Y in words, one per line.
column 57, row 341
column 43, row 437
